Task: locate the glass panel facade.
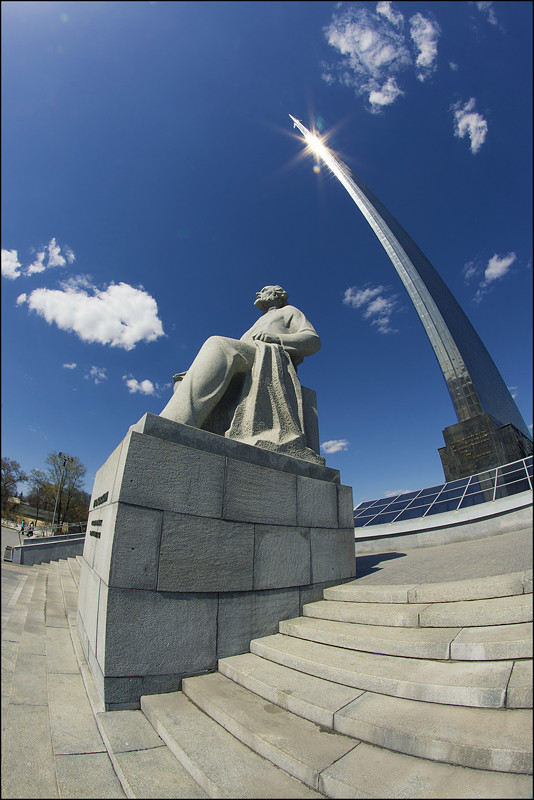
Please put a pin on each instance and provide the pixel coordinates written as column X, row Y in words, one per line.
column 482, row 488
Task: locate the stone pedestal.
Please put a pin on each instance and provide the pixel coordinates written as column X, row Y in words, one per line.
column 481, row 443
column 197, row 544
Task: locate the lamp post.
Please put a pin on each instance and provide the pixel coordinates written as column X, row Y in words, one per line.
column 61, row 476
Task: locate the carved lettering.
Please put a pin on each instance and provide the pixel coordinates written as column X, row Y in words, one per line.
column 100, row 500
column 96, row 534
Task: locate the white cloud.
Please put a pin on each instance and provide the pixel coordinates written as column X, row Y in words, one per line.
column 384, row 8
column 38, row 265
column 119, row 316
column 143, row 387
column 425, row 35
column 374, row 50
column 395, row 492
column 487, row 8
column 468, row 121
column 22, row 298
column 386, row 95
column 335, row 445
column 11, row 265
column 498, row 267
column 378, row 305
column 97, row 374
column 70, row 366
column 471, row 269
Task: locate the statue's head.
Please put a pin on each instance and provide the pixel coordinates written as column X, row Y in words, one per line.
column 270, row 295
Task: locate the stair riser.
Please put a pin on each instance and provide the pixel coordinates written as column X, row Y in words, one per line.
column 443, row 651
column 445, row 752
column 478, row 697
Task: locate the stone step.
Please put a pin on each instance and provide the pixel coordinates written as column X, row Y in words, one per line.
column 75, row 568
column 462, row 644
column 470, row 613
column 472, row 589
column 369, row 771
column 299, row 747
column 221, row 764
column 481, row 685
column 491, row 739
column 143, row 763
column 314, row 698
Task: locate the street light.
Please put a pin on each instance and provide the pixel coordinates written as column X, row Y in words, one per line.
column 61, row 476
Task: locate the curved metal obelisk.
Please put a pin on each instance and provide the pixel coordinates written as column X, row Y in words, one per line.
column 474, row 382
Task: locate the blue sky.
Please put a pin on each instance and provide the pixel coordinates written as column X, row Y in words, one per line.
column 152, row 182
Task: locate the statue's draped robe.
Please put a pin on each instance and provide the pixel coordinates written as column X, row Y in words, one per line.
column 269, row 411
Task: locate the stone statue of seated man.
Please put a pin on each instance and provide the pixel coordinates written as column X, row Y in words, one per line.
column 251, row 383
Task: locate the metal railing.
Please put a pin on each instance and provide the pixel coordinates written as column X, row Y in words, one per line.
column 503, row 481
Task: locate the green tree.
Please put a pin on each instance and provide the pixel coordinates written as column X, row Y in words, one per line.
column 12, row 474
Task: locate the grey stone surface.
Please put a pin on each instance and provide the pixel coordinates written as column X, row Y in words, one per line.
column 299, row 747
column 28, row 771
column 126, row 554
column 158, row 633
column 244, row 616
column 317, row 503
column 482, row 738
column 519, row 692
column 366, row 770
column 60, row 652
column 87, row 775
column 305, row 695
column 162, row 475
column 332, row 554
column 72, row 724
column 394, row 641
column 476, row 613
column 256, row 494
column 345, row 505
column 155, row 774
column 493, row 642
column 218, row 762
column 199, row 554
column 270, row 570
column 456, row 683
column 127, row 730
column 156, row 426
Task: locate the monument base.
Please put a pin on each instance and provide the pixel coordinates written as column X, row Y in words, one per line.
column 197, row 544
column 479, row 444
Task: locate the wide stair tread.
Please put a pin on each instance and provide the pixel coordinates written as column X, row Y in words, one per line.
column 447, row 591
column 464, row 613
column 348, row 767
column 479, row 684
column 486, row 643
column 498, row 739
column 221, row 764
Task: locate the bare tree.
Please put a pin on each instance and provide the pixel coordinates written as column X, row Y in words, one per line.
column 12, row 474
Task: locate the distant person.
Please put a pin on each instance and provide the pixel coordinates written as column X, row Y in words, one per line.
column 22, row 527
column 30, row 530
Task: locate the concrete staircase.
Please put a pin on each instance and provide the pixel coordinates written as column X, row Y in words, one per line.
column 56, row 740
column 376, row 691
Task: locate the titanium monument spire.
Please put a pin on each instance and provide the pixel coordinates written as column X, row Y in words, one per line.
column 490, row 429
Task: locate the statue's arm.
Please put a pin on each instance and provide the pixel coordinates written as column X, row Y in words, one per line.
column 301, row 339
